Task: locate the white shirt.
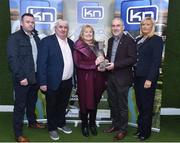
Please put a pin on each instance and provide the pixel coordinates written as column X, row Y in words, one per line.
column 67, row 57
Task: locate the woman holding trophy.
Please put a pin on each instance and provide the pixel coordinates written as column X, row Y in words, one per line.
column 90, row 62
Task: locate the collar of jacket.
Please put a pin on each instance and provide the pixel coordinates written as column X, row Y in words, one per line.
column 83, row 47
column 34, row 32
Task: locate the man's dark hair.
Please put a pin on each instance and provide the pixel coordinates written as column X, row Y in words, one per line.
column 26, row 14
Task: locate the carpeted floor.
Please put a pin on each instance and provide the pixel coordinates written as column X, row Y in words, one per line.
column 170, row 132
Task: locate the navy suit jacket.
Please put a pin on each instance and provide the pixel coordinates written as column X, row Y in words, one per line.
column 50, row 63
column 125, row 58
column 149, row 58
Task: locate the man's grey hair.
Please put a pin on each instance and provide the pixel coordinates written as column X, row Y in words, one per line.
column 121, row 21
column 59, row 21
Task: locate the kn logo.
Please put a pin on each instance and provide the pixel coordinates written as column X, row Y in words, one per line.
column 136, row 14
column 90, row 12
column 43, row 15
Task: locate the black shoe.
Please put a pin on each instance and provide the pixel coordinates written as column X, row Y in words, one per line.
column 143, row 138
column 93, row 130
column 85, row 131
column 136, row 134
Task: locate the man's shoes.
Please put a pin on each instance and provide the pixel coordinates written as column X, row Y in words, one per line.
column 65, row 129
column 37, row 126
column 136, row 134
column 85, row 131
column 110, row 130
column 120, row 135
column 54, row 135
column 143, row 138
column 93, row 130
column 22, row 139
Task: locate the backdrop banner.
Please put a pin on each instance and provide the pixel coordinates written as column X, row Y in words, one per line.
column 132, row 12
column 46, row 12
column 99, row 14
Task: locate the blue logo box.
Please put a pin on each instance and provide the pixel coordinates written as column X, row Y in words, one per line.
column 43, row 15
column 133, row 11
column 89, row 12
column 136, row 14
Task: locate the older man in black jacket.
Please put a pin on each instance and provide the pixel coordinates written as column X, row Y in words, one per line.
column 22, row 54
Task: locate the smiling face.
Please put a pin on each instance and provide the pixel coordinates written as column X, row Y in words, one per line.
column 87, row 34
column 146, row 27
column 61, row 29
column 117, row 27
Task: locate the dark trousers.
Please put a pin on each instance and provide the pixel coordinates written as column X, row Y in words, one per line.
column 56, row 104
column 118, row 103
column 25, row 100
column 144, row 101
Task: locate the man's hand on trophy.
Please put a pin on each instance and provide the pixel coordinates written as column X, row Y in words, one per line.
column 110, row 66
column 99, row 60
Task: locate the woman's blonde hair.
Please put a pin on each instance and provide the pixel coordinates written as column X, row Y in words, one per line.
column 153, row 26
column 84, row 27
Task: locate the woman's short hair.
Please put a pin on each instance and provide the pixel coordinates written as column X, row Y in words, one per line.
column 153, row 26
column 84, row 27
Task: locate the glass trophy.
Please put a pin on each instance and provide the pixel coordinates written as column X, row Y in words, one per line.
column 104, row 63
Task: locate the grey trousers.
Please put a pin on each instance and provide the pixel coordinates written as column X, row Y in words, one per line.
column 118, row 103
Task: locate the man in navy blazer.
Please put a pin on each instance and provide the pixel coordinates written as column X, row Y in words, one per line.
column 55, row 70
